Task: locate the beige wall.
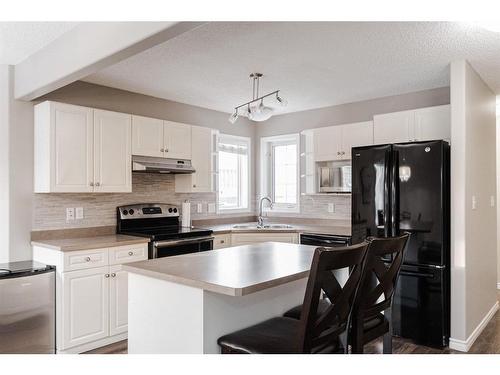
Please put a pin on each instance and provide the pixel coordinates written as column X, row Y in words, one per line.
column 473, row 174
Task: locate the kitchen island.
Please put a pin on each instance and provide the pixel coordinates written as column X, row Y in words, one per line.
column 183, row 304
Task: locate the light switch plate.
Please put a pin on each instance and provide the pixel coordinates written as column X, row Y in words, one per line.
column 331, row 207
column 492, row 200
column 70, row 214
column 79, row 213
column 474, row 202
column 211, row 208
column 199, row 208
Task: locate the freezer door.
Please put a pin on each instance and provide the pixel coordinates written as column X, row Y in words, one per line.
column 421, row 192
column 420, row 309
column 27, row 314
column 370, row 192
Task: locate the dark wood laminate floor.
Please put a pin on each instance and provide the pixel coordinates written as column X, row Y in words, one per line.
column 487, row 343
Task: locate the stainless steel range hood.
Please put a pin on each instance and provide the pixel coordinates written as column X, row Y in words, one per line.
column 148, row 164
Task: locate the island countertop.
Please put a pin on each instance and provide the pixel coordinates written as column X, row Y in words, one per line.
column 233, row 271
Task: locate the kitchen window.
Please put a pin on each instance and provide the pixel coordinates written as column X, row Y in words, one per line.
column 280, row 171
column 234, row 170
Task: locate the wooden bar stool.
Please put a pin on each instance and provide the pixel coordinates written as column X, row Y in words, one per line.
column 383, row 262
column 315, row 332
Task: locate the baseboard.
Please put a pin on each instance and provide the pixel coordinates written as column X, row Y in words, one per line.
column 464, row 346
column 94, row 344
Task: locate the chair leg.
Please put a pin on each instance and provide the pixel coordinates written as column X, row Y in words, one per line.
column 357, row 339
column 387, row 346
column 343, row 342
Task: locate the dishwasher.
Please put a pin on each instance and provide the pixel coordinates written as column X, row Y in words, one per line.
column 27, row 308
column 325, row 240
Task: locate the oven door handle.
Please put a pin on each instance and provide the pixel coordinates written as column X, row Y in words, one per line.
column 187, row 241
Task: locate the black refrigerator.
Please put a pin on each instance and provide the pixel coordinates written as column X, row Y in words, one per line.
column 399, row 188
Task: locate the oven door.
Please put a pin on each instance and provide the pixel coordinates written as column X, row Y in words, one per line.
column 161, row 249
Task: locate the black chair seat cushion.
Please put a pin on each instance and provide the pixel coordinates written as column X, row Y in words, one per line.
column 273, row 336
column 368, row 325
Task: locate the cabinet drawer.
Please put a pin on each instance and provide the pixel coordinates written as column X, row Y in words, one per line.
column 222, row 240
column 127, row 254
column 79, row 260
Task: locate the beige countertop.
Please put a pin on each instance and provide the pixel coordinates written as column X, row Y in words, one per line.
column 87, row 243
column 233, row 271
column 296, row 228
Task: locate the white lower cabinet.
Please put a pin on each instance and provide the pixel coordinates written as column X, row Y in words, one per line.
column 251, row 238
column 91, row 294
column 222, row 240
column 85, row 298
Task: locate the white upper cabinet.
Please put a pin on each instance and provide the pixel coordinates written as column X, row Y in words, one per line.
column 335, row 142
column 422, row 124
column 64, row 159
column 393, row 127
column 433, row 123
column 177, row 140
column 81, row 150
column 112, row 152
column 327, row 143
column 159, row 138
column 147, row 136
column 354, row 135
column 202, row 159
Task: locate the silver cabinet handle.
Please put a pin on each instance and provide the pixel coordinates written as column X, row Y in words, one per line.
column 87, row 259
column 97, row 184
column 166, row 150
column 194, row 185
column 106, row 275
column 91, row 184
column 222, row 241
column 162, row 150
column 113, row 274
column 130, row 253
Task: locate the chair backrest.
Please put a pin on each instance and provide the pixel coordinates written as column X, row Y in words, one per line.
column 384, row 258
column 319, row 328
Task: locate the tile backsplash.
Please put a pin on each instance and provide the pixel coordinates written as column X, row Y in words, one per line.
column 100, row 209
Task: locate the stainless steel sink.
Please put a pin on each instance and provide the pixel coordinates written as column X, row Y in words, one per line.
column 267, row 226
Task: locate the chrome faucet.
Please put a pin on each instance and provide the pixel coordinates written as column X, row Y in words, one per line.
column 260, row 219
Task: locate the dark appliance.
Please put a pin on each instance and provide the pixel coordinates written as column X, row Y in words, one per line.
column 405, row 188
column 27, row 308
column 160, row 223
column 325, row 240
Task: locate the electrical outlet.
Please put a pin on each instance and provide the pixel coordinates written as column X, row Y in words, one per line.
column 211, row 208
column 70, row 214
column 199, row 208
column 331, row 207
column 79, row 213
column 492, row 200
column 474, row 202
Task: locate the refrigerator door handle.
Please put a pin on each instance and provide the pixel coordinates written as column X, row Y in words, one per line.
column 395, row 194
column 387, row 203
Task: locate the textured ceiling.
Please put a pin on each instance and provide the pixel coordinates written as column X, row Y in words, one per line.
column 314, row 64
column 18, row 40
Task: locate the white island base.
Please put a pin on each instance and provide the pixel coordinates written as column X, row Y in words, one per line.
column 171, row 318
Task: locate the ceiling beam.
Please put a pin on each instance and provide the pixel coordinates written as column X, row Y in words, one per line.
column 86, row 49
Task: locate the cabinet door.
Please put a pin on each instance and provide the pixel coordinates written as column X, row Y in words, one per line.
column 201, row 140
column 433, row 123
column 147, row 136
column 85, row 310
column 112, row 152
column 222, row 241
column 238, row 239
column 118, row 300
column 354, row 135
column 394, row 127
column 327, row 143
column 177, row 140
column 72, row 153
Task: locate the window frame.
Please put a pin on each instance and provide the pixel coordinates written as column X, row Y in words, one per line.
column 267, row 170
column 236, row 139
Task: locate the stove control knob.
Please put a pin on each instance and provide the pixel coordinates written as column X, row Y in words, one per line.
column 125, row 212
column 175, row 210
column 170, row 210
column 131, row 211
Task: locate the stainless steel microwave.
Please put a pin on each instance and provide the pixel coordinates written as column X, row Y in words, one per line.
column 334, row 178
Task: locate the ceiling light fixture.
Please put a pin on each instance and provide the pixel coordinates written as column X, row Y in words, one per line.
column 257, row 112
